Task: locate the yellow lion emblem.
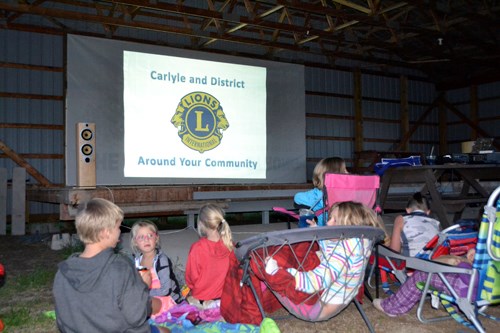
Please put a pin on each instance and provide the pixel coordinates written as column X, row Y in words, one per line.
column 200, row 120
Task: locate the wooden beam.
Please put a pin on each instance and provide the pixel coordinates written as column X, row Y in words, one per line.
column 474, row 110
column 443, row 134
column 33, row 126
column 405, row 117
column 24, row 164
column 420, row 120
column 466, row 120
column 31, row 96
column 358, row 112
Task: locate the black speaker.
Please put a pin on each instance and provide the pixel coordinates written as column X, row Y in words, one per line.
column 85, row 155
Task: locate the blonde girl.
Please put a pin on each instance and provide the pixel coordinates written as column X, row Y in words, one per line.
column 341, row 263
column 145, row 243
column 208, row 258
column 313, row 199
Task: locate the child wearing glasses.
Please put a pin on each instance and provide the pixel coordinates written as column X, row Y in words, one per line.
column 148, row 256
column 208, row 258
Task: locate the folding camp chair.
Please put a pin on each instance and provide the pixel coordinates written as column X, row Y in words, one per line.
column 455, row 240
column 341, row 187
column 300, row 249
column 484, row 275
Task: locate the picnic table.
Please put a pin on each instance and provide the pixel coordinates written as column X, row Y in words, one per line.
column 469, row 178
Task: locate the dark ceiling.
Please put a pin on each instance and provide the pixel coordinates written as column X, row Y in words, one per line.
column 455, row 43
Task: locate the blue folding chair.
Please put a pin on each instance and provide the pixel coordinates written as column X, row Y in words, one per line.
column 485, row 271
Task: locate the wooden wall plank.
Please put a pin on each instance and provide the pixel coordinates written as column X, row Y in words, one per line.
column 18, row 212
column 405, row 113
column 3, row 201
column 358, row 112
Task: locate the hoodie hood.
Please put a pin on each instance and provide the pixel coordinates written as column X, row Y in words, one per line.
column 83, row 274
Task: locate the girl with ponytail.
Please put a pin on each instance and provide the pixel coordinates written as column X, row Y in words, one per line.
column 208, row 258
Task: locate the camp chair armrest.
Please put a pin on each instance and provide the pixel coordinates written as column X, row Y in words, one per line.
column 421, row 264
column 292, row 236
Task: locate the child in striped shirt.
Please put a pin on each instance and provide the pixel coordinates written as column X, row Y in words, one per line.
column 341, row 262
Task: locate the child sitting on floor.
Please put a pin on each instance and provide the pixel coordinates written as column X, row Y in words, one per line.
column 341, row 264
column 208, row 259
column 411, row 232
column 99, row 290
column 145, row 242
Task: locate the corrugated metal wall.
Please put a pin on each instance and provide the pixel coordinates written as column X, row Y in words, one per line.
column 32, row 108
column 488, row 105
column 330, row 93
column 32, row 104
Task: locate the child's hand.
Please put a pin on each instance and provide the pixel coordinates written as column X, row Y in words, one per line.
column 312, row 223
column 146, row 277
column 271, row 266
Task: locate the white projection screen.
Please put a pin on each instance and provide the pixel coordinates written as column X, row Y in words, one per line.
column 171, row 116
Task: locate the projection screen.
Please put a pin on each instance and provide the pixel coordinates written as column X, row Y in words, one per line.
column 171, row 116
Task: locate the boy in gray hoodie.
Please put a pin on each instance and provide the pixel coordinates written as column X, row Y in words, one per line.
column 99, row 290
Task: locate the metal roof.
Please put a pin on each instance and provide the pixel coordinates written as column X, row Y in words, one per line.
column 454, row 43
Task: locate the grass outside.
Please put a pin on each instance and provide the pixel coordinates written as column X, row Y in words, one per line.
column 25, row 300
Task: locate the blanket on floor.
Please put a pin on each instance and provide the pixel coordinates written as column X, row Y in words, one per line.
column 238, row 304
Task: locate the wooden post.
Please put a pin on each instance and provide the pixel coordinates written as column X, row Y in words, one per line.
column 474, row 109
column 406, row 136
column 405, row 117
column 443, row 135
column 358, row 113
column 3, row 201
column 18, row 212
column 466, row 120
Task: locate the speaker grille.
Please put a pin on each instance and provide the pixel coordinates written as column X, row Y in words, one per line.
column 85, row 147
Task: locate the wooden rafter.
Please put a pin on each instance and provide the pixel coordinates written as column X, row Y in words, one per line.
column 24, row 164
column 389, row 33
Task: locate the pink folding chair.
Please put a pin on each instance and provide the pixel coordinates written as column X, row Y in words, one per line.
column 340, row 187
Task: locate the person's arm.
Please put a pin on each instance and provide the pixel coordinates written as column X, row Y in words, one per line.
column 396, row 234
column 155, row 305
column 135, row 303
column 192, row 267
column 326, row 272
column 310, row 282
column 168, row 287
column 146, row 276
column 309, row 198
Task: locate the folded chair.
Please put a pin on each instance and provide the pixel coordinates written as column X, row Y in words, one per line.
column 340, row 187
column 484, row 277
column 299, row 249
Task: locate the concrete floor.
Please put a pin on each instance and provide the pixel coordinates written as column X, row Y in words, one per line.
column 176, row 243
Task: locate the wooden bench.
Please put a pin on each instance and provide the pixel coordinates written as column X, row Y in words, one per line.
column 247, row 201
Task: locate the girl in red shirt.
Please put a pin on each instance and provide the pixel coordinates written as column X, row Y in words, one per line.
column 208, row 259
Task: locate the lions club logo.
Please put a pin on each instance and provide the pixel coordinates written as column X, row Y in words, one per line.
column 200, row 121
